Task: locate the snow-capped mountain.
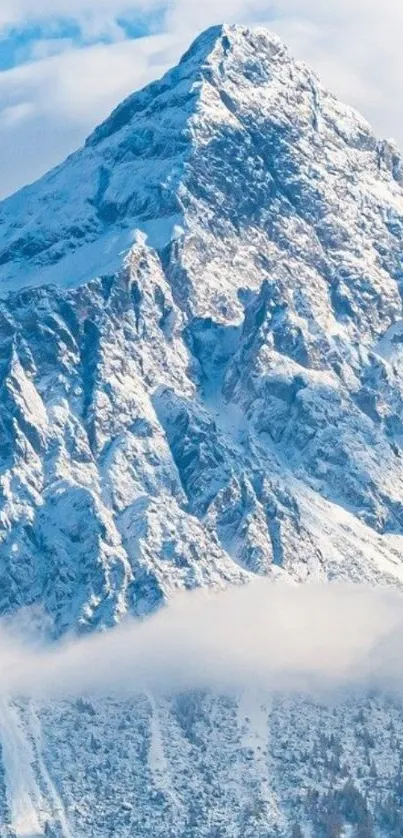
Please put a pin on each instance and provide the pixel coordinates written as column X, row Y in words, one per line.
column 201, row 382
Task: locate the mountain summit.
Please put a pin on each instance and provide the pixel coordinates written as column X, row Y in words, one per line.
column 135, row 170
column 201, row 358
column 229, row 142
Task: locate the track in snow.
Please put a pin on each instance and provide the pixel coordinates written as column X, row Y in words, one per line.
column 32, row 797
column 54, row 799
column 23, row 793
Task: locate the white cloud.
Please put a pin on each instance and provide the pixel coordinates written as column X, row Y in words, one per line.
column 184, row 16
column 98, row 15
column 43, row 48
column 316, row 639
column 14, row 114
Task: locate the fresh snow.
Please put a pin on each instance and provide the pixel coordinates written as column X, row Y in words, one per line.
column 55, row 806
column 24, row 795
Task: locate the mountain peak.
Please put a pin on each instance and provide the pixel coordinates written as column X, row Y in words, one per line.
column 141, row 148
column 234, row 135
column 221, row 48
column 225, row 37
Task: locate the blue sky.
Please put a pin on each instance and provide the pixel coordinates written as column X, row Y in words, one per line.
column 19, row 41
column 64, row 64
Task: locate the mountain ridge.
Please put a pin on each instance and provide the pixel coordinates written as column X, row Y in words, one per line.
column 98, row 210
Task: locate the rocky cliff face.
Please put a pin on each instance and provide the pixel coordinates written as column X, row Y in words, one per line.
column 201, row 382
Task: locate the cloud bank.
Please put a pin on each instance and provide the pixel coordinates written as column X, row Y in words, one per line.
column 312, row 639
column 51, row 101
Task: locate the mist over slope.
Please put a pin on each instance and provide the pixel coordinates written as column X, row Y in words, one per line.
column 201, row 386
column 321, row 641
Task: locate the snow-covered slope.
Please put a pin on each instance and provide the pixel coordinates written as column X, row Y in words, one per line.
column 201, row 381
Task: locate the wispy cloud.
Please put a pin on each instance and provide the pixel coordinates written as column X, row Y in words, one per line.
column 320, row 640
